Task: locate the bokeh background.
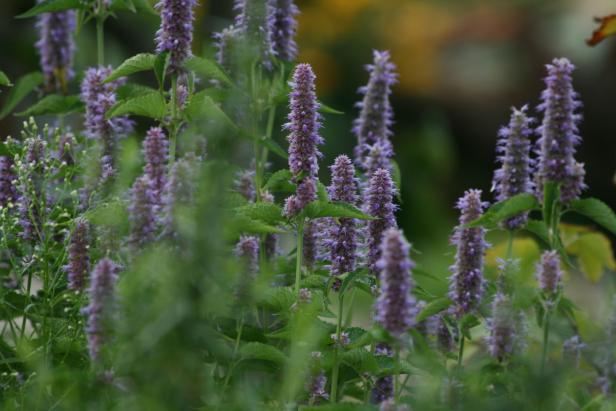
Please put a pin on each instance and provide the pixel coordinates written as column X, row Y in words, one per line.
column 462, row 65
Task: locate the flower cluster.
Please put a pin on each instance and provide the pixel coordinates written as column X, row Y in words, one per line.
column 142, row 213
column 78, row 265
column 176, row 31
column 155, row 151
column 56, row 47
column 283, row 29
column 549, row 272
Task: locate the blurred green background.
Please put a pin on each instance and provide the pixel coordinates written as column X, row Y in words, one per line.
column 462, row 65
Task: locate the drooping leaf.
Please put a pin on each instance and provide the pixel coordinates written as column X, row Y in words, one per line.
column 592, row 250
column 260, row 351
column 248, row 225
column 320, row 209
column 551, row 197
column 149, row 105
column 504, row 210
column 597, row 211
column 607, row 27
column 4, row 79
column 323, row 108
column 274, row 147
column 267, row 212
column 47, row 6
column 23, row 86
column 53, row 104
column 433, row 308
column 539, row 229
column 207, row 69
column 134, row 64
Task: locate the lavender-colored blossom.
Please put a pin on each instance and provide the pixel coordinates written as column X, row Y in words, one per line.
column 378, row 156
column 376, row 115
column 66, row 148
column 254, row 22
column 100, row 309
column 226, row 46
column 549, row 272
column 156, row 153
column 559, row 133
column 306, row 193
column 572, row 349
column 180, row 190
column 176, row 31
column 270, row 243
column 396, row 308
column 501, row 328
column 342, row 234
column 247, row 250
column 311, row 233
column 141, row 212
column 316, row 388
column 383, row 389
column 8, row 192
column 244, row 184
column 32, row 196
column 391, row 405
column 378, row 203
column 78, row 265
column 445, row 339
column 56, row 47
column 467, row 283
column 514, row 175
column 284, row 28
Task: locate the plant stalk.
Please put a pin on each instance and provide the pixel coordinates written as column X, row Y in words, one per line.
column 336, row 369
column 300, row 252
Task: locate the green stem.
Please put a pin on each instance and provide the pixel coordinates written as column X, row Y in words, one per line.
column 397, row 387
column 510, row 245
column 236, row 347
column 300, row 252
column 336, row 370
column 29, row 298
column 461, row 347
column 100, row 40
column 174, row 112
column 546, row 336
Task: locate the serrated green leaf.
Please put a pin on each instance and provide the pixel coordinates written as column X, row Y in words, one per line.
column 132, row 90
column 539, row 229
column 53, row 104
column 361, row 360
column 594, row 253
column 4, row 79
column 504, row 210
column 320, row 209
column 597, row 211
column 280, row 180
column 149, row 105
column 207, row 69
column 322, row 192
column 433, row 308
column 48, row 6
column 160, row 67
column 280, row 298
column 134, row 64
column 267, row 212
column 260, row 351
column 245, row 224
column 23, row 86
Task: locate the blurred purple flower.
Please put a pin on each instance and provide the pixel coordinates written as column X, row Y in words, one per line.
column 383, row 389
column 56, row 47
column 141, row 212
column 549, row 272
column 78, row 265
column 501, row 328
column 179, row 190
column 8, row 192
column 247, row 250
column 176, row 31
column 244, row 184
column 254, row 22
column 156, row 153
column 284, row 28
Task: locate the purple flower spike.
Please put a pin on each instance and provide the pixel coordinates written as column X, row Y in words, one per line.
column 306, row 193
column 549, row 272
column 8, row 193
column 284, row 28
column 244, row 184
column 395, row 306
column 559, row 133
column 502, row 328
column 342, row 233
column 247, row 250
column 226, row 43
column 383, row 389
column 514, row 175
column 156, row 153
column 78, row 255
column 379, row 204
column 376, row 115
column 141, row 213
column 176, row 31
column 101, row 307
column 254, row 22
column 180, row 190
column 56, row 47
column 32, row 189
column 466, row 289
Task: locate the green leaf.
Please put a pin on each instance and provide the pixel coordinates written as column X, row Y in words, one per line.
column 203, row 106
column 4, row 79
column 280, row 180
column 145, row 6
column 207, row 69
column 396, row 176
column 260, row 351
column 160, row 68
column 323, row 108
column 349, row 279
column 135, row 64
column 594, row 253
column 338, row 209
column 23, row 87
column 539, row 229
column 149, row 105
column 322, row 192
column 274, row 147
column 551, row 197
column 246, row 224
column 132, row 5
column 504, row 210
column 267, row 212
column 597, row 211
column 434, row 308
column 53, row 104
column 131, row 90
column 47, row 6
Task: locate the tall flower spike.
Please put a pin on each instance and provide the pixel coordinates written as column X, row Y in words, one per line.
column 559, row 133
column 180, row 190
column 32, row 195
column 101, row 307
column 376, row 115
column 254, row 22
column 514, row 175
column 342, row 234
column 247, row 250
column 56, row 47
column 467, row 283
column 156, row 153
column 502, row 328
column 8, row 193
column 244, row 184
column 549, row 272
column 271, row 240
column 78, row 255
column 303, row 139
column 284, row 28
column 176, row 31
column 395, row 306
column 379, row 204
column 383, row 389
column 141, row 213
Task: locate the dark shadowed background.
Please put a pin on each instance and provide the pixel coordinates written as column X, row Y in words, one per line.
column 462, row 65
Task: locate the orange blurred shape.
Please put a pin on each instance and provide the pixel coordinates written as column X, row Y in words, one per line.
column 607, row 27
